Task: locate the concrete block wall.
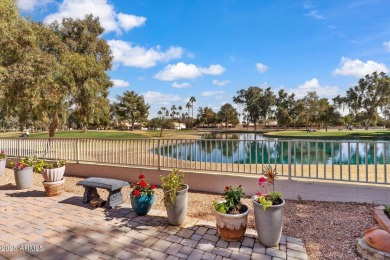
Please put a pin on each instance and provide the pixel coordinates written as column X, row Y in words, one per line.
column 215, row 182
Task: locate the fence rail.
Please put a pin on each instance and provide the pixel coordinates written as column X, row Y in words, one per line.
column 350, row 161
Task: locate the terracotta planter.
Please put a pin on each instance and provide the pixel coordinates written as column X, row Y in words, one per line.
column 53, row 188
column 3, row 162
column 269, row 223
column 232, row 227
column 23, row 178
column 53, row 175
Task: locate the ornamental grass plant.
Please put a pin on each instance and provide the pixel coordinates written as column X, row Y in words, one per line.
column 268, row 199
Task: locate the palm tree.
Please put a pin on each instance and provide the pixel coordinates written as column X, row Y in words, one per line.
column 163, row 109
column 180, row 108
column 173, row 109
column 192, row 100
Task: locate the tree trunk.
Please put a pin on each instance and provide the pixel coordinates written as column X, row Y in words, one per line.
column 326, row 127
column 161, row 130
column 255, row 126
column 53, row 126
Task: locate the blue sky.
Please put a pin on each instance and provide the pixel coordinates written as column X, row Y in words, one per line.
column 171, row 50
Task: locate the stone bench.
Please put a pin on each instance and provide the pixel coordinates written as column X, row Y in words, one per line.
column 111, row 185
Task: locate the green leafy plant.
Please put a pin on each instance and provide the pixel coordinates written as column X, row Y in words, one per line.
column 387, row 211
column 27, row 162
column 269, row 198
column 57, row 164
column 232, row 203
column 2, row 155
column 171, row 184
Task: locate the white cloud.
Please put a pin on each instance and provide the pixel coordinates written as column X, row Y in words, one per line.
column 358, row 68
column 220, row 82
column 118, row 83
column 211, row 93
column 315, row 14
column 154, row 97
column 187, row 71
column 314, row 85
column 128, row 21
column 137, row 56
column 387, row 46
column 31, row 5
column 181, row 85
column 261, row 67
column 109, row 19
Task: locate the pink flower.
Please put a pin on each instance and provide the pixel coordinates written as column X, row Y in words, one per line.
column 258, row 193
column 262, row 180
column 24, row 166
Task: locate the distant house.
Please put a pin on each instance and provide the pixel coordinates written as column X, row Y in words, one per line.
column 179, row 126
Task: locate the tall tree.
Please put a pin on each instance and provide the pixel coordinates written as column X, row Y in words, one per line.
column 192, row 101
column 284, row 108
column 311, row 107
column 88, row 59
column 371, row 94
column 267, row 102
column 328, row 113
column 228, row 115
column 209, row 116
column 132, row 107
column 250, row 99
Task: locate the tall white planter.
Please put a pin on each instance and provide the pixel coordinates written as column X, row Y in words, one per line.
column 269, row 223
column 53, row 175
column 3, row 162
column 178, row 212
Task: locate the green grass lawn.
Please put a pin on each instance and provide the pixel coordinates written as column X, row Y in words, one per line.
column 333, row 134
column 111, row 134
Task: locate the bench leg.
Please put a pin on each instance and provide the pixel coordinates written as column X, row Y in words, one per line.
column 89, row 194
column 114, row 199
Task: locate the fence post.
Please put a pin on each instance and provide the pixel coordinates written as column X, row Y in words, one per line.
column 289, row 159
column 19, row 147
column 78, row 150
column 159, row 155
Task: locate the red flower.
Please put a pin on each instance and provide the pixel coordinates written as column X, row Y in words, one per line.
column 258, row 193
column 143, row 184
column 136, row 193
column 262, row 180
column 227, row 188
column 141, row 176
column 152, row 186
column 24, row 166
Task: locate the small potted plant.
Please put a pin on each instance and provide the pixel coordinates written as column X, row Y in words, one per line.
column 53, row 175
column 23, row 171
column 175, row 196
column 268, row 210
column 231, row 215
column 142, row 196
column 3, row 162
column 53, row 172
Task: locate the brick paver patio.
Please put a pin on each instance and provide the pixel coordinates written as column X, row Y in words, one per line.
column 37, row 227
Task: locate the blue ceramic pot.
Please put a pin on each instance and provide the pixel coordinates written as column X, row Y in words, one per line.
column 141, row 204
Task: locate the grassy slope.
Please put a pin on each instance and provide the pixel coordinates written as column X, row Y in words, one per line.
column 354, row 134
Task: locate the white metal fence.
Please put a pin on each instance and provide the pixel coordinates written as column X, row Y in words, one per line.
column 350, row 161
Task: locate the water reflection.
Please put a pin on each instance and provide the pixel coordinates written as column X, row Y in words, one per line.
column 252, row 148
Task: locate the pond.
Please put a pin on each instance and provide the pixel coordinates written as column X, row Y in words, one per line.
column 251, row 148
